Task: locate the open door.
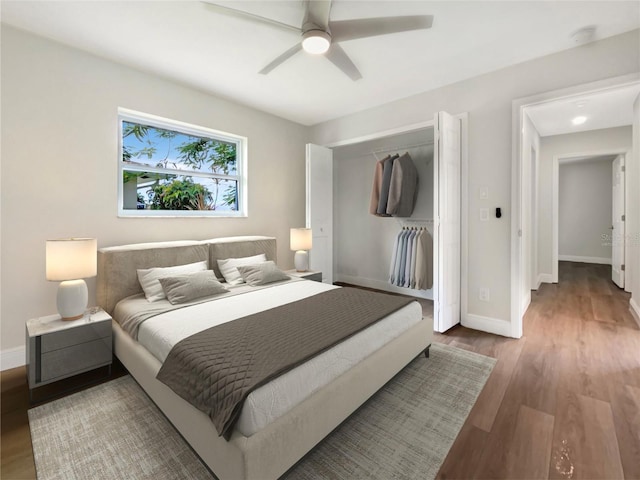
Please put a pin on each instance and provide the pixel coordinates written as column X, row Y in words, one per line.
column 618, row 223
column 446, row 238
column 320, row 209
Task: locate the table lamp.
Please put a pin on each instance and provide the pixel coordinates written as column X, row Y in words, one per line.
column 70, row 261
column 301, row 243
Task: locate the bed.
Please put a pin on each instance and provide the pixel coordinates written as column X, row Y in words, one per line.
column 270, row 436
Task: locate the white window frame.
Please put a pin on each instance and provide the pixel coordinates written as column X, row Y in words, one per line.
column 188, row 129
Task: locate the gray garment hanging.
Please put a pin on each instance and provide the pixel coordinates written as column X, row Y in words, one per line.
column 403, row 187
column 386, row 182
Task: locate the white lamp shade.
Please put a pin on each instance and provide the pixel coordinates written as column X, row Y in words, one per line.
column 300, row 239
column 71, row 258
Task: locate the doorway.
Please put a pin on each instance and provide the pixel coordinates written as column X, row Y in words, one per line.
column 589, row 200
column 526, row 232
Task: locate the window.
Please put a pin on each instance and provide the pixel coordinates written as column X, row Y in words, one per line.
column 170, row 168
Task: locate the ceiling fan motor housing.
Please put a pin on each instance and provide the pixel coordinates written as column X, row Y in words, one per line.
column 316, row 41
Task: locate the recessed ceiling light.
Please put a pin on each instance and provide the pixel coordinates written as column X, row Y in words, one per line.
column 579, row 120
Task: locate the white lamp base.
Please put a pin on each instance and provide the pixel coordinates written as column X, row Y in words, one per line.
column 301, row 261
column 73, row 297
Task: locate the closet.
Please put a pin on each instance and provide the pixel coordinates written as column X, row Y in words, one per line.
column 353, row 246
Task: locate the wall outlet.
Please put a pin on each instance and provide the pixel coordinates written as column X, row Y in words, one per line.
column 484, row 214
column 484, row 295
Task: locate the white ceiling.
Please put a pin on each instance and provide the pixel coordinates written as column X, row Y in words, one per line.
column 585, row 159
column 605, row 109
column 190, row 42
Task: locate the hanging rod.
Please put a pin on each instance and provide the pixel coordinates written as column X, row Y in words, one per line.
column 401, row 147
column 415, row 222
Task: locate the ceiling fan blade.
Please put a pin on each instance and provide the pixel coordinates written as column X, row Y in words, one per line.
column 285, row 56
column 342, row 30
column 340, row 59
column 317, row 14
column 250, row 16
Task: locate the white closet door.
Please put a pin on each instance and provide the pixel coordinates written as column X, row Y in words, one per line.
column 320, row 209
column 618, row 230
column 446, row 238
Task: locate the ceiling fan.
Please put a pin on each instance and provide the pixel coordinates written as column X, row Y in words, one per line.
column 320, row 35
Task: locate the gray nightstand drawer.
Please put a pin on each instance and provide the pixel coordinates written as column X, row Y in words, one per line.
column 316, row 276
column 74, row 336
column 77, row 358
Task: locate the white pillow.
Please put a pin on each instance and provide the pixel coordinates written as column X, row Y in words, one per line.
column 229, row 267
column 149, row 282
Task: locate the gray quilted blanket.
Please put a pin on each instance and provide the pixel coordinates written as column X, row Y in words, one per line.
column 216, row 369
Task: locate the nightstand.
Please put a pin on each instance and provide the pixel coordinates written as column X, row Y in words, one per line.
column 308, row 275
column 58, row 349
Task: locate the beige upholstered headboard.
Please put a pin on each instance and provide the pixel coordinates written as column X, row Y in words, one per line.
column 117, row 266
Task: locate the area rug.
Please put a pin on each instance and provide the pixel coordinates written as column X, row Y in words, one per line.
column 114, row 431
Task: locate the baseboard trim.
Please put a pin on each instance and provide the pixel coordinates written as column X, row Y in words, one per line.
column 384, row 286
column 544, row 278
column 635, row 310
column 526, row 301
column 12, row 358
column 487, row 324
column 575, row 258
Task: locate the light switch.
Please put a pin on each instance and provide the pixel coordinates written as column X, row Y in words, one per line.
column 484, row 193
column 484, row 214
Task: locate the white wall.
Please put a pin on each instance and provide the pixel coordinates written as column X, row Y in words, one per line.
column 488, row 99
column 594, row 141
column 530, row 141
column 59, row 169
column 363, row 243
column 584, row 210
column 633, row 210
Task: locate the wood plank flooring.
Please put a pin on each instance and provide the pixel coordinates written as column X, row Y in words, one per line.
column 563, row 402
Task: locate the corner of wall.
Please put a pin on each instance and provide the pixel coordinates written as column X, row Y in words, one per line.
column 12, row 358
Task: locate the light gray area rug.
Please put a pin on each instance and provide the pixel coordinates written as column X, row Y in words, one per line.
column 113, row 431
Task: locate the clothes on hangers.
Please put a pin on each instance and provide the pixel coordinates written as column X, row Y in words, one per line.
column 403, row 187
column 412, row 260
column 424, row 262
column 387, row 171
column 377, row 185
column 395, row 186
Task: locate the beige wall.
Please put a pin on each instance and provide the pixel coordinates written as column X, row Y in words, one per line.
column 488, row 99
column 59, row 165
column 584, row 210
column 633, row 235
column 593, row 141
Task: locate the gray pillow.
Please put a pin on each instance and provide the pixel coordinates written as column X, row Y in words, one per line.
column 184, row 288
column 262, row 273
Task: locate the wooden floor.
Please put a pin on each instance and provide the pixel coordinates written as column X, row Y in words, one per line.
column 564, row 400
column 561, row 402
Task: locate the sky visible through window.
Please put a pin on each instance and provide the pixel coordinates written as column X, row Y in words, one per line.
column 196, row 160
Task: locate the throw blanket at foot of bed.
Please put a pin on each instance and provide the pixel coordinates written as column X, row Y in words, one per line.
column 216, row 369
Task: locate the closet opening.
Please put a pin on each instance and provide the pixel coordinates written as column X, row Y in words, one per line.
column 354, row 244
column 365, row 244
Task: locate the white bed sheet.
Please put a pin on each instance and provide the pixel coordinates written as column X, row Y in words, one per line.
column 274, row 399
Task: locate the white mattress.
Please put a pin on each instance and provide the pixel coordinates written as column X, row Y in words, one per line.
column 272, row 400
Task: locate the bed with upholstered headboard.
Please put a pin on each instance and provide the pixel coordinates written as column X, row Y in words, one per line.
column 275, row 446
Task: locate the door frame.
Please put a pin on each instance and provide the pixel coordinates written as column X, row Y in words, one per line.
column 518, row 176
column 555, row 199
column 464, row 196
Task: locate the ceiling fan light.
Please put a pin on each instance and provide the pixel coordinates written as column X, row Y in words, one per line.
column 316, row 42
